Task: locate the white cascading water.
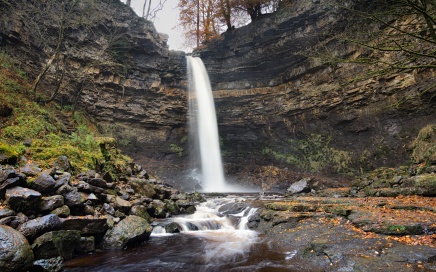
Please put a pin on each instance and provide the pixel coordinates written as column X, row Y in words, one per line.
column 205, row 123
column 228, row 237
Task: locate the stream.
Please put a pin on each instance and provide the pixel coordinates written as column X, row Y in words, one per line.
column 211, row 239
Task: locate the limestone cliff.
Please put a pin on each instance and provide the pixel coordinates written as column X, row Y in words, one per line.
column 116, row 65
column 281, row 103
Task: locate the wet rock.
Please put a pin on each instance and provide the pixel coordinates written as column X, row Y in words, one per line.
column 87, row 225
column 141, row 211
column 22, row 199
column 157, row 209
column 62, row 179
column 122, row 205
column 173, row 228
column 142, row 187
column 7, row 173
column 71, row 196
column 33, row 228
column 122, row 193
column 108, row 209
column 18, row 180
column 14, row 221
column 50, row 203
column 62, row 164
column 30, row 170
column 171, row 207
column 88, row 188
column 15, row 252
column 5, row 212
column 85, row 245
column 232, row 208
column 44, row 183
column 56, row 243
column 63, row 211
column 133, row 229
column 48, row 265
column 300, row 186
column 98, row 182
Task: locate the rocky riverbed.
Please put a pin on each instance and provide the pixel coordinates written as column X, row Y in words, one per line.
column 341, row 233
column 385, row 221
column 48, row 216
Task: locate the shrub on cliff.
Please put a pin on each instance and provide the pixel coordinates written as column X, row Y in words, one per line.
column 42, row 133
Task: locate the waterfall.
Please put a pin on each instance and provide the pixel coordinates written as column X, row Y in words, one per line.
column 204, row 127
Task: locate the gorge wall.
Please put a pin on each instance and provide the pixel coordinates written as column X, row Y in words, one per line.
column 284, row 99
column 117, row 67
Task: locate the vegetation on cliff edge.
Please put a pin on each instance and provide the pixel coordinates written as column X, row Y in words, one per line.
column 41, row 133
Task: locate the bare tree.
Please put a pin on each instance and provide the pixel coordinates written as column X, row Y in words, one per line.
column 152, row 8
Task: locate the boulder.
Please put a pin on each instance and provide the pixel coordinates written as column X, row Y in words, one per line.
column 15, row 252
column 88, row 188
column 133, row 229
column 18, row 180
column 157, row 208
column 98, row 182
column 7, row 173
column 50, row 203
column 173, row 228
column 108, row 209
column 87, row 225
column 44, row 183
column 63, row 211
column 171, row 207
column 300, row 186
column 48, row 265
column 30, row 170
column 141, row 211
column 5, row 212
column 62, row 164
column 232, row 208
column 22, row 199
column 14, row 221
column 62, row 179
column 122, row 205
column 56, row 243
column 142, row 187
column 71, row 196
column 34, row 228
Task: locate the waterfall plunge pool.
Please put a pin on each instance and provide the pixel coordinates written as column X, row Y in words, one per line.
column 211, row 239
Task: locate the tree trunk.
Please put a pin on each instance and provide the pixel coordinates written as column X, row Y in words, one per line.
column 42, row 73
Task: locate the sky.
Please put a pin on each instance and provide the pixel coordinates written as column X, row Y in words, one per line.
column 166, row 22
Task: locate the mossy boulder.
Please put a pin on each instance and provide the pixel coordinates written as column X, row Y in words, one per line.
column 426, row 184
column 15, row 252
column 424, row 146
column 56, row 243
column 133, row 229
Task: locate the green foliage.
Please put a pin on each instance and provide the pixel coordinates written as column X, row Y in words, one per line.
column 313, row 154
column 176, row 149
column 30, row 120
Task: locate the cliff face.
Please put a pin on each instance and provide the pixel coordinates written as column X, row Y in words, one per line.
column 115, row 65
column 280, row 101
